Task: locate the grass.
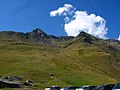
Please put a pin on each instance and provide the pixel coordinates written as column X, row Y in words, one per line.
column 75, row 65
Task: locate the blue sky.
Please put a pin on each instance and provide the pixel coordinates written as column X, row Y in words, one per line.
column 25, row 15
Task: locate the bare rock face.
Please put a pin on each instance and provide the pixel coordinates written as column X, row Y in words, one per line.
column 37, row 33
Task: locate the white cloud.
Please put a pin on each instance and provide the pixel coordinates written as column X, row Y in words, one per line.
column 119, row 38
column 67, row 8
column 77, row 21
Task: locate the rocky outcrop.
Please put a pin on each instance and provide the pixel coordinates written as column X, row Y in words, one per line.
column 29, row 83
column 10, row 82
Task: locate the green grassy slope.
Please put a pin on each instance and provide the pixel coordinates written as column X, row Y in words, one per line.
column 78, row 63
column 74, row 65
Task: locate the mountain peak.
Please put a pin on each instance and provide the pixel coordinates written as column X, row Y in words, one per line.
column 86, row 38
column 84, row 34
column 38, row 31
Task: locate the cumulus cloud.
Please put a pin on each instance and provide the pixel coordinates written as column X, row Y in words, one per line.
column 66, row 9
column 77, row 21
column 119, row 38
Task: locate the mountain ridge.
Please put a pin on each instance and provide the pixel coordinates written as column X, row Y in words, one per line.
column 39, row 36
column 36, row 36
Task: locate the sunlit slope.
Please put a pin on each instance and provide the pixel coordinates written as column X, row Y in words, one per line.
column 76, row 64
column 78, row 61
